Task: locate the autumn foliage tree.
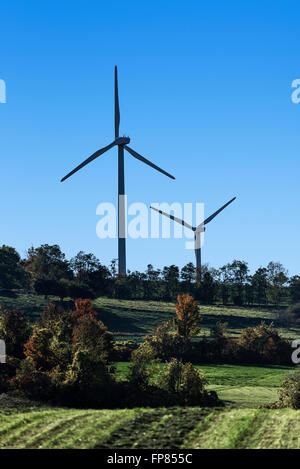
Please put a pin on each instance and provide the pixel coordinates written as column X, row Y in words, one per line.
column 188, row 318
column 64, row 352
column 84, row 308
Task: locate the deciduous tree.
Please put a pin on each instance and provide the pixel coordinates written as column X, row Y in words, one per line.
column 188, row 318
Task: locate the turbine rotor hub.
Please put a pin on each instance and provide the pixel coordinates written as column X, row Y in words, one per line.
column 122, row 140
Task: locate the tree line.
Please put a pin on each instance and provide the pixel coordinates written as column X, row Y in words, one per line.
column 45, row 270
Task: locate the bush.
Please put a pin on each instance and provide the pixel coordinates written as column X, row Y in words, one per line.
column 39, row 350
column 289, row 395
column 35, row 383
column 14, row 330
column 193, row 385
column 262, row 344
column 167, row 344
column 122, row 351
column 217, row 348
column 186, row 384
column 91, row 334
column 50, row 343
column 67, row 358
column 87, row 381
column 170, row 378
column 221, row 347
column 8, row 372
column 143, row 365
column 177, row 383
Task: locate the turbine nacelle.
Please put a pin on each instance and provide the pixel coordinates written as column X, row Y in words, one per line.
column 122, row 141
column 200, row 229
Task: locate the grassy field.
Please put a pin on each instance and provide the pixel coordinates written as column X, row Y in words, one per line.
column 243, row 388
column 247, row 429
column 172, row 428
column 240, row 386
column 133, row 319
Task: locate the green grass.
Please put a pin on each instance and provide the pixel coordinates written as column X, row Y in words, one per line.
column 245, row 375
column 30, row 305
column 249, row 397
column 60, row 428
column 172, row 428
column 245, row 386
column 232, row 375
column 133, row 319
column 247, row 429
column 238, row 385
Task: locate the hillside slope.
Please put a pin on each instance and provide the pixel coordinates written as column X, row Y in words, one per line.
column 130, row 318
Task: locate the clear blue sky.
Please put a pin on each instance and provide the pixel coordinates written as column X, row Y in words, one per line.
column 205, row 91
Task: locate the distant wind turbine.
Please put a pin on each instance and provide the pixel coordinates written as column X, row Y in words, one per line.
column 198, row 230
column 121, row 142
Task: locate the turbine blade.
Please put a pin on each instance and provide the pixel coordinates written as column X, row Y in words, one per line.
column 181, row 222
column 216, row 213
column 117, row 108
column 144, row 160
column 88, row 160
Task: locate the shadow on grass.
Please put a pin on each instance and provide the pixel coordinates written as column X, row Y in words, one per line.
column 234, row 322
column 116, row 323
column 135, row 310
column 122, row 319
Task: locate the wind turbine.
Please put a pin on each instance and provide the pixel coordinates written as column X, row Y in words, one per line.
column 197, row 230
column 121, row 143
